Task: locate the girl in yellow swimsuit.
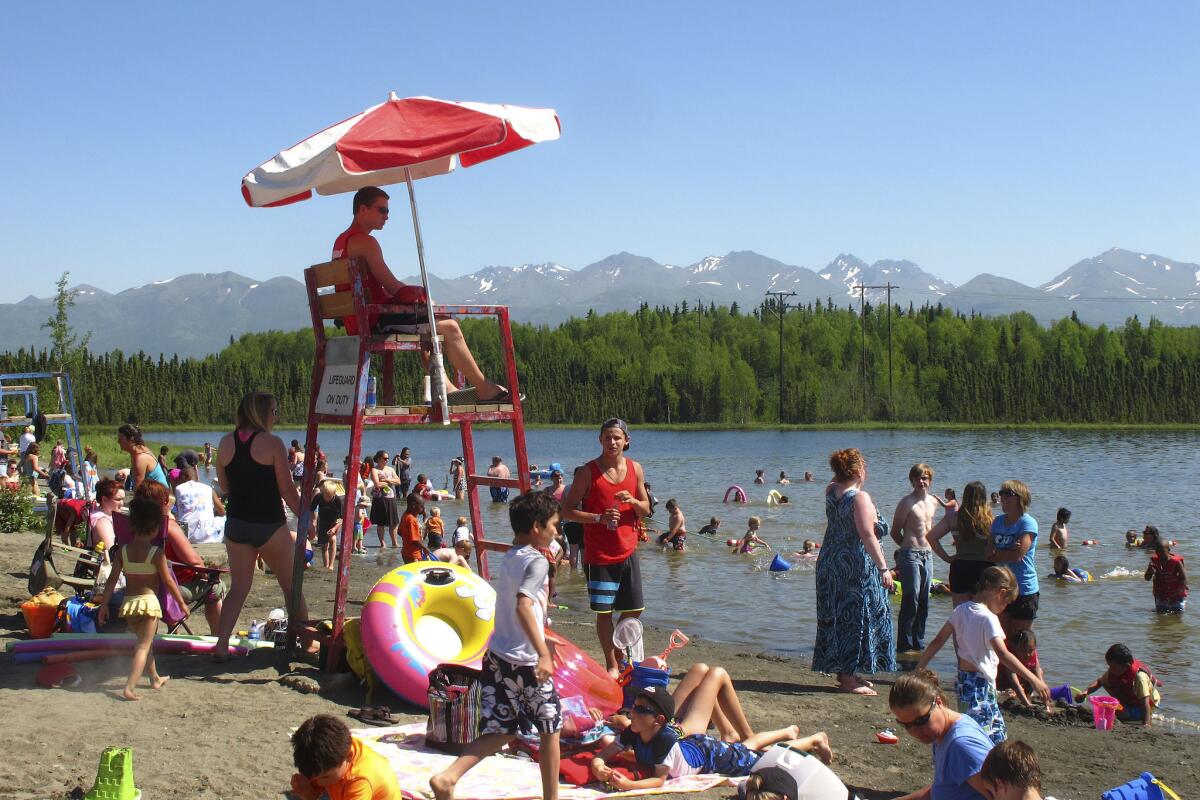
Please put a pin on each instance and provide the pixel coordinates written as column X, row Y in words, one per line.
column 144, row 566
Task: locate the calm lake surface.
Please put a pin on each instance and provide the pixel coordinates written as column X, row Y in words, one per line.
column 1110, row 481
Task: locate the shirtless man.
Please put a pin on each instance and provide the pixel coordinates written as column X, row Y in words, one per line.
column 910, row 525
column 371, row 214
column 499, row 469
column 608, row 496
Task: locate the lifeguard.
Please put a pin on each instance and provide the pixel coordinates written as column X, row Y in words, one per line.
column 371, row 214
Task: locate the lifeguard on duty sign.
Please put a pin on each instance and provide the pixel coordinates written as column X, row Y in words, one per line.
column 339, row 382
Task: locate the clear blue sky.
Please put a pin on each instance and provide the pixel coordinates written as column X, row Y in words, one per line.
column 1013, row 138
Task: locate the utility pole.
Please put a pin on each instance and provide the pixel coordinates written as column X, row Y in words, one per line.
column 781, row 310
column 861, row 289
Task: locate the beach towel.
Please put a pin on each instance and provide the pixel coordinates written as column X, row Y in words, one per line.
column 496, row 777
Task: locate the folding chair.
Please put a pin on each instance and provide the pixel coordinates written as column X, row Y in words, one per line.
column 186, row 574
column 55, row 563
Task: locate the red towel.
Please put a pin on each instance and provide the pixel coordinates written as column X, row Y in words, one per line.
column 576, row 769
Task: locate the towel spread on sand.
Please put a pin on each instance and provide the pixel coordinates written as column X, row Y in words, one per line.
column 494, row 778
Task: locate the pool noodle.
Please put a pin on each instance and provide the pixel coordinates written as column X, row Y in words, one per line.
column 114, row 642
column 248, row 644
column 65, row 658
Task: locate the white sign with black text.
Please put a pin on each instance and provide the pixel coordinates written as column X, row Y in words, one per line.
column 339, row 381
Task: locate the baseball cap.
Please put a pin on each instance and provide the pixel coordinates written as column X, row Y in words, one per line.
column 616, row 422
column 660, row 698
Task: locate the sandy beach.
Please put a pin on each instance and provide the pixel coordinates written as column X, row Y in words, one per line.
column 221, row 731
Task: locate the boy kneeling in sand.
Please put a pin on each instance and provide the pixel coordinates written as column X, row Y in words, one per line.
column 656, row 742
column 334, row 763
column 518, row 689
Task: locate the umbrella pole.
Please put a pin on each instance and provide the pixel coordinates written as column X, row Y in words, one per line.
column 437, row 373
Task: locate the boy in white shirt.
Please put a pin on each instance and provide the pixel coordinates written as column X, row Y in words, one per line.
column 518, row 686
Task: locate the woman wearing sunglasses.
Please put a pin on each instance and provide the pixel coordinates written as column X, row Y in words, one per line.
column 959, row 744
column 1014, row 540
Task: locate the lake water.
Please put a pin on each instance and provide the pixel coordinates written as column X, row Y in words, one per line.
column 1110, row 481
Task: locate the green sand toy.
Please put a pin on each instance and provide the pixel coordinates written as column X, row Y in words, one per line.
column 114, row 778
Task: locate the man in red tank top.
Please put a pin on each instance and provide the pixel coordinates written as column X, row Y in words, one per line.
column 371, row 214
column 608, row 497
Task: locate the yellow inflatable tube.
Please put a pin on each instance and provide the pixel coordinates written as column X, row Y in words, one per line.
column 421, row 615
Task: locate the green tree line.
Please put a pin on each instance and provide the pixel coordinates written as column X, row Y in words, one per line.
column 719, row 365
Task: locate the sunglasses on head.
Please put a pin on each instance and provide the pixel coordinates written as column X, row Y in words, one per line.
column 919, row 721
column 640, row 709
column 1007, row 493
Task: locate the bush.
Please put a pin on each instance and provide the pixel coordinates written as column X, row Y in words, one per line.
column 16, row 510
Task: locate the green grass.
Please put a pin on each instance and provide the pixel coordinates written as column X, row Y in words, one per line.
column 103, row 439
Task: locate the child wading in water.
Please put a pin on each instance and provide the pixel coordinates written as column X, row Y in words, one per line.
column 144, row 566
column 676, row 533
column 980, row 639
column 1058, row 531
column 751, row 538
column 1170, row 579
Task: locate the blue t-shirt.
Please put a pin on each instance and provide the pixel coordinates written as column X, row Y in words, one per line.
column 1007, row 537
column 957, row 757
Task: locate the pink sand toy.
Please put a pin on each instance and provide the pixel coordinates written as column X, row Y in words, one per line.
column 1104, row 711
column 678, row 639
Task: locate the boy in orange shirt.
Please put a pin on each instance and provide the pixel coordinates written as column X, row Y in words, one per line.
column 410, row 530
column 331, row 762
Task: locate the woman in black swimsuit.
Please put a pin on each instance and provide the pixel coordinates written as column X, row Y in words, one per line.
column 253, row 467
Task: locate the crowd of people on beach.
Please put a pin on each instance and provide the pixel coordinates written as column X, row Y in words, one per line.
column 603, row 511
column 596, row 521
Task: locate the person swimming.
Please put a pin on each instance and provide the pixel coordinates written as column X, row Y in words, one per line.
column 1063, row 571
column 807, row 552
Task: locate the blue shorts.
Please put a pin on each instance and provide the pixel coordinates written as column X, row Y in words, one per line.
column 615, row 587
column 977, row 699
column 714, row 756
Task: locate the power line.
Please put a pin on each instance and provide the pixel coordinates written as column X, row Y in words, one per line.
column 779, row 299
column 862, row 291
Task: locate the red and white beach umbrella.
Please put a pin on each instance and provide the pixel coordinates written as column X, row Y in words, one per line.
column 398, row 141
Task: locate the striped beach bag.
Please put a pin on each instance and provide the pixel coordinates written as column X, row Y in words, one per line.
column 454, row 692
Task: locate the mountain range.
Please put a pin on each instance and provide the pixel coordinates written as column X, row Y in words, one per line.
column 197, row 313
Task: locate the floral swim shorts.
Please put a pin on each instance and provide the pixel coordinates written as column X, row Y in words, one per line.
column 977, row 699
column 512, row 701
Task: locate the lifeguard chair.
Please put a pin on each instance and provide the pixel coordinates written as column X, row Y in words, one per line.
column 341, row 367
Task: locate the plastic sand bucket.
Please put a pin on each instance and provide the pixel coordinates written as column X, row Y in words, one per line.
column 1063, row 693
column 779, row 565
column 642, row 677
column 1104, row 712
column 39, row 619
column 1144, row 787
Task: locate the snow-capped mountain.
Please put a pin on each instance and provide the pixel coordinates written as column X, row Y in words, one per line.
column 1154, row 285
column 196, row 314
column 912, row 283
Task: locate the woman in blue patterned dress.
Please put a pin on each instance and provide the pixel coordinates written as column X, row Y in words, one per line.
column 854, row 619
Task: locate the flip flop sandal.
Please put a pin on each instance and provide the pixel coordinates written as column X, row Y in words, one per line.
column 377, row 716
column 463, row 397
column 503, row 397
